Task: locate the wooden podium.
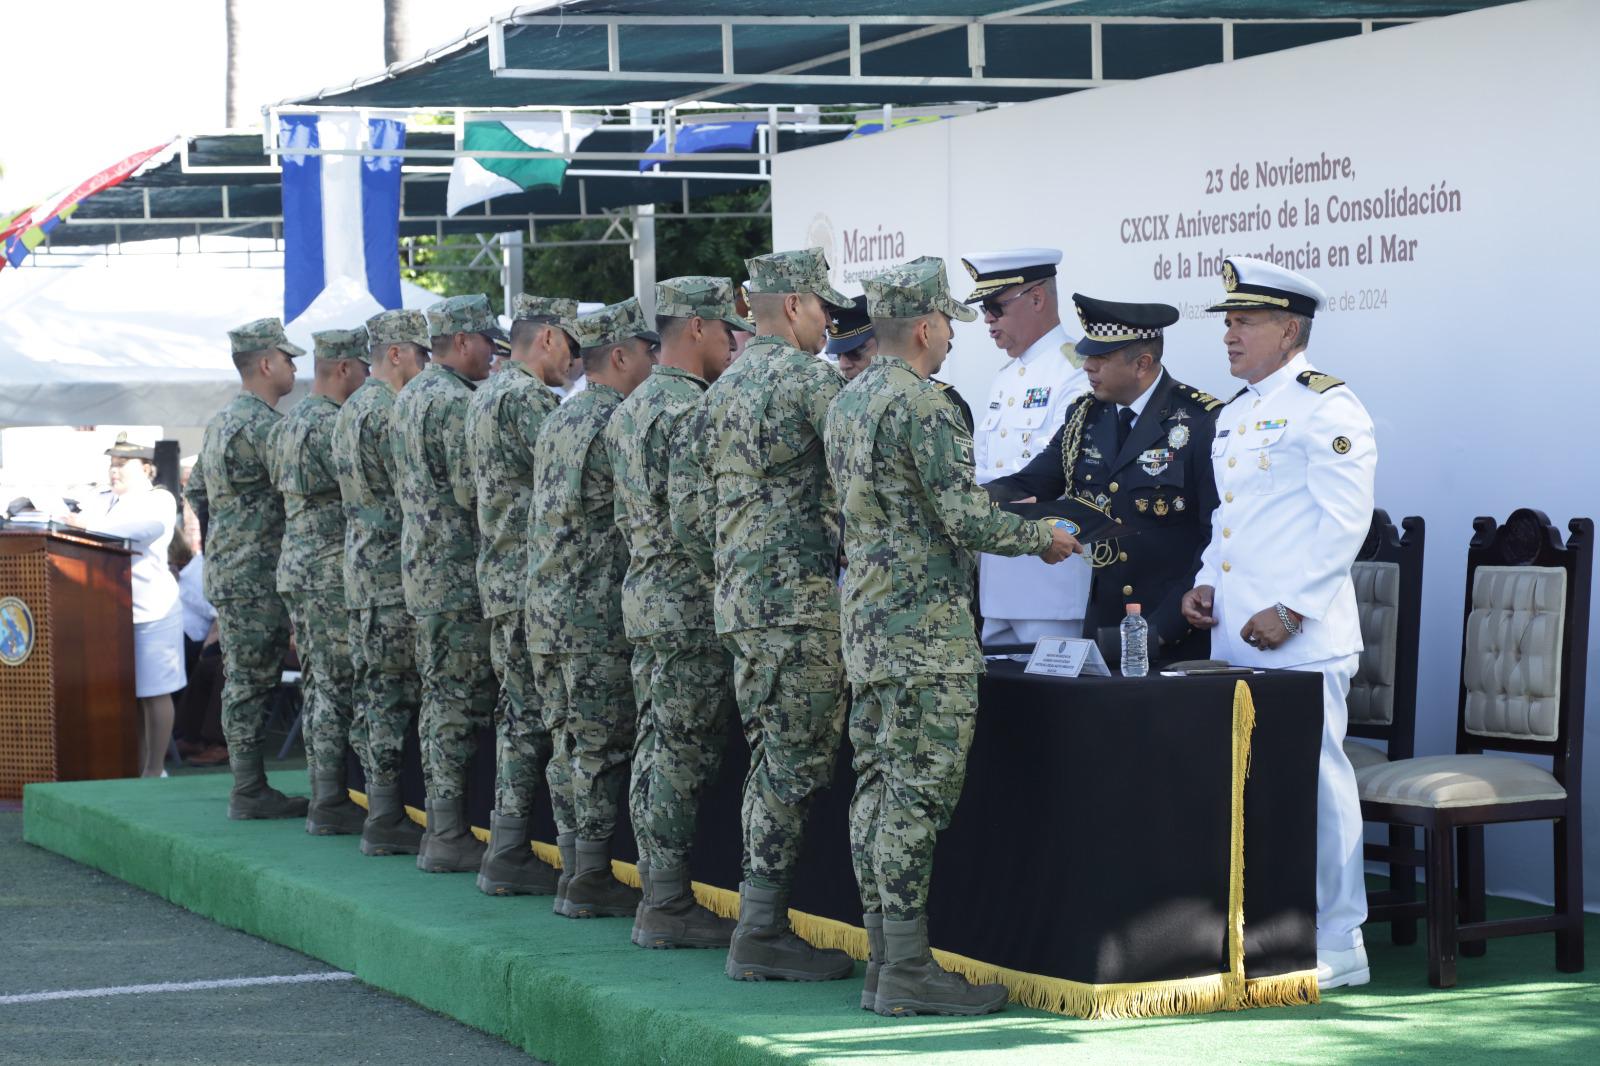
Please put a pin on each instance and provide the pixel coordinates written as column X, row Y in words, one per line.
column 67, row 708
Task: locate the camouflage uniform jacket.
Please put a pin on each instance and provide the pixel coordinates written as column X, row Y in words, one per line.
column 439, row 527
column 665, row 590
column 363, row 459
column 503, row 422
column 302, row 467
column 913, row 520
column 691, row 498
column 232, row 479
column 777, row 532
column 576, row 554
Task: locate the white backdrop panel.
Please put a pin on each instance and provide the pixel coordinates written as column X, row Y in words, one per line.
column 1463, row 331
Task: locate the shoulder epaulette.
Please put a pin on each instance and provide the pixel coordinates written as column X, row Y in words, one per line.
column 941, row 385
column 1317, row 381
column 1205, row 399
column 1238, row 394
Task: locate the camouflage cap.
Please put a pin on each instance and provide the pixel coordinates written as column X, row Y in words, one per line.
column 464, row 314
column 261, row 334
column 563, row 311
column 912, row 290
column 698, row 296
column 400, row 326
column 613, row 324
column 342, row 344
column 805, row 270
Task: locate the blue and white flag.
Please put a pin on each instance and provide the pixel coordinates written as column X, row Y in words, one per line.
column 341, row 217
column 705, row 137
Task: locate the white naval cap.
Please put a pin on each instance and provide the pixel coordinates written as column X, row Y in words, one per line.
column 1255, row 284
column 994, row 271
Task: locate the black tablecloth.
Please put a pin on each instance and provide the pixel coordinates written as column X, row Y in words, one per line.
column 1092, row 839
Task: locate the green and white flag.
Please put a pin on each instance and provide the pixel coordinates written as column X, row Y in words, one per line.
column 474, row 180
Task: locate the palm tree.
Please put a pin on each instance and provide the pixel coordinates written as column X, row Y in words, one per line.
column 396, row 30
column 230, row 98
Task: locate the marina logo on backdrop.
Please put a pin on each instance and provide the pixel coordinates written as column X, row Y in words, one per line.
column 16, row 631
column 819, row 234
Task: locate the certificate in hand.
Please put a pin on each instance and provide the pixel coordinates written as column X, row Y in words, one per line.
column 1085, row 521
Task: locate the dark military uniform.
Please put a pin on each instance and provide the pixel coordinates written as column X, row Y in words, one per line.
column 1159, row 483
column 949, row 392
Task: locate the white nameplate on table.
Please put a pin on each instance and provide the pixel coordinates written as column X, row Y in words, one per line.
column 1067, row 657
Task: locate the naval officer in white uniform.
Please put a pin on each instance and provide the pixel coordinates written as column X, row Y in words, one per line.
column 1294, row 459
column 1023, row 599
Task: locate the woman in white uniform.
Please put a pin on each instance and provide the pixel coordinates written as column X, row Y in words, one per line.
column 145, row 515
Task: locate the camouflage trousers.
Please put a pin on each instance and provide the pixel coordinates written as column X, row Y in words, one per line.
column 522, row 744
column 789, row 681
column 682, row 685
column 327, row 679
column 588, row 709
column 911, row 737
column 387, row 692
column 254, row 634
column 458, row 696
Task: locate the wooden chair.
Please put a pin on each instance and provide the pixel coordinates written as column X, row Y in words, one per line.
column 1383, row 694
column 1522, row 691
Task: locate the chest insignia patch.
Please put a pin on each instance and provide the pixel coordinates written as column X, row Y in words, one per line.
column 1039, row 397
column 1177, row 436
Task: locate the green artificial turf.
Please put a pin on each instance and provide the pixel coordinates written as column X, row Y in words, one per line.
column 579, row 992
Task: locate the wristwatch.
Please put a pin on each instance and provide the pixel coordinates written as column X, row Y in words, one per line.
column 1289, row 623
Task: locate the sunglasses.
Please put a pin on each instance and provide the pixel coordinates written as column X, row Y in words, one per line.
column 997, row 308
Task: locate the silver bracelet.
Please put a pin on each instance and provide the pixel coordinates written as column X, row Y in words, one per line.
column 1289, row 624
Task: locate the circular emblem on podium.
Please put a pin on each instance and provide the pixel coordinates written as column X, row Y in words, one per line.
column 16, row 631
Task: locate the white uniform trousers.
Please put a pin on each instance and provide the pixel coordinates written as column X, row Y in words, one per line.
column 1341, row 889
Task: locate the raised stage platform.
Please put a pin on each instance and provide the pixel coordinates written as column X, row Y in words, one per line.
column 579, row 992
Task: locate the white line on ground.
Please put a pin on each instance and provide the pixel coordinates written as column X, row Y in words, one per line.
column 176, row 986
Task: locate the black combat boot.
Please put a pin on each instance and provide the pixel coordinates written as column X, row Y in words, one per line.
column 252, row 797
column 332, row 812
column 509, row 865
column 873, row 922
column 910, row 982
column 593, row 891
column 764, row 948
column 448, row 846
column 670, row 917
column 388, row 829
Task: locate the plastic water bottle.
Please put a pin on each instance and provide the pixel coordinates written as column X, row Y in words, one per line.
column 1135, row 643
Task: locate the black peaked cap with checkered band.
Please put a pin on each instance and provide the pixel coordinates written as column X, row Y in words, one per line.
column 1108, row 325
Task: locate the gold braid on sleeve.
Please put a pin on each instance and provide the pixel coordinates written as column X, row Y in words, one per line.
column 1101, row 552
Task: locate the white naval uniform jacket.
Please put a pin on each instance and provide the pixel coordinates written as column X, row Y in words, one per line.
column 1294, row 470
column 1027, row 404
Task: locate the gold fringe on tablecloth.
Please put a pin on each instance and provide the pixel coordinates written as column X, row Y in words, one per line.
column 1195, row 995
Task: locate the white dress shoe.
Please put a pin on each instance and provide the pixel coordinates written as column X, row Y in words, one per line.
column 1342, row 969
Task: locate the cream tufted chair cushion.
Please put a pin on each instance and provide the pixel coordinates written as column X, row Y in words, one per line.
column 1456, row 781
column 1371, row 699
column 1512, row 664
column 1363, row 755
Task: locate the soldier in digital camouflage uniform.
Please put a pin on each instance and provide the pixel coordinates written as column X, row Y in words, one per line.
column 914, row 521
column 682, row 676
column 311, row 572
column 579, row 652
column 776, row 597
column 232, row 485
column 438, row 550
column 503, row 423
column 382, row 634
